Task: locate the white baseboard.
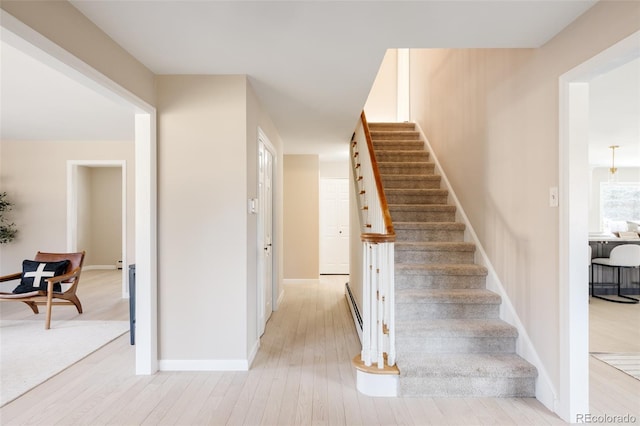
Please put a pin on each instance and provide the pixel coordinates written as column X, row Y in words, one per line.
column 279, row 301
column 254, row 352
column 545, row 390
column 301, row 281
column 98, row 267
column 203, row 365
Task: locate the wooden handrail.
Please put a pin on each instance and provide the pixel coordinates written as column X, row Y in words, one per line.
column 388, row 224
column 377, row 238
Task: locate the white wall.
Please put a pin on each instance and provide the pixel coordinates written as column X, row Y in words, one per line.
column 492, row 117
column 40, row 193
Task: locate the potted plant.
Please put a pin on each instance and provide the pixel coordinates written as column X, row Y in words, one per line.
column 8, row 229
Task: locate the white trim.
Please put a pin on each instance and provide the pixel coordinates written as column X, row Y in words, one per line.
column 294, row 281
column 261, row 324
column 203, row 364
column 381, row 385
column 573, row 397
column 280, row 299
column 72, row 209
column 23, row 37
column 403, row 89
column 253, row 353
column 545, row 390
column 100, row 268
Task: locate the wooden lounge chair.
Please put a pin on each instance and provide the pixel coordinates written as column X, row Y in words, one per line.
column 41, row 297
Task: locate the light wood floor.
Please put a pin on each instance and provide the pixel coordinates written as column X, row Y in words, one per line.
column 302, row 375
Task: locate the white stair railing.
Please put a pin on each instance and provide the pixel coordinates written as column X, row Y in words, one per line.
column 378, row 236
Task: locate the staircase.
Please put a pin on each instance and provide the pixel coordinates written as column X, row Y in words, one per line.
column 449, row 338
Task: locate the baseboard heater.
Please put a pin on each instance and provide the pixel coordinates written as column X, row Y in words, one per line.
column 355, row 312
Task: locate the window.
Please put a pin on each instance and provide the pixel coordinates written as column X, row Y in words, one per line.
column 619, row 202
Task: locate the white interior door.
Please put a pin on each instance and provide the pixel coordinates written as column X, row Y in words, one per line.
column 334, row 226
column 265, row 235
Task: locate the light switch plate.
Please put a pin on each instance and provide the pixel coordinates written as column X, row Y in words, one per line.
column 553, row 196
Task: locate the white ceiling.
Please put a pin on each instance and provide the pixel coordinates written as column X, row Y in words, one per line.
column 614, row 116
column 40, row 103
column 311, row 63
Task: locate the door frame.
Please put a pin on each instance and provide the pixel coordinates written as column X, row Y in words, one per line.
column 264, row 141
column 31, row 42
column 72, row 208
column 573, row 395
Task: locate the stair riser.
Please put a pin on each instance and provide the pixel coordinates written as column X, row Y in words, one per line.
column 394, row 136
column 406, row 169
column 431, row 311
column 391, row 126
column 442, row 282
column 423, row 182
column 424, row 216
column 433, row 257
column 402, row 156
column 439, row 345
column 381, row 146
column 415, row 199
column 462, row 387
column 414, row 235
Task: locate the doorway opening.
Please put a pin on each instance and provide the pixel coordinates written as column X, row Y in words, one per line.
column 266, row 294
column 574, row 182
column 97, row 214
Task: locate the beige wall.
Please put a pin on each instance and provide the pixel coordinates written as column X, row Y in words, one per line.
column 202, row 232
column 40, row 193
column 492, row 118
column 382, row 102
column 106, row 216
column 301, row 217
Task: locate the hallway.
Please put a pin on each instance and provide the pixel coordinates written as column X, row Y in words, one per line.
column 302, row 375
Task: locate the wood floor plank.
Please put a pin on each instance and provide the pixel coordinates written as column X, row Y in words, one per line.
column 302, row 374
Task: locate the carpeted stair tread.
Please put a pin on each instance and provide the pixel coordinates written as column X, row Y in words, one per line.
column 385, row 135
column 452, row 226
column 394, row 146
column 422, row 207
column 434, row 246
column 441, row 269
column 466, row 365
column 411, row 181
column 455, row 328
column 392, row 126
column 477, row 296
column 414, row 191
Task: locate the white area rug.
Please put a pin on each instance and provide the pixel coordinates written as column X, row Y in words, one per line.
column 628, row 362
column 29, row 354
